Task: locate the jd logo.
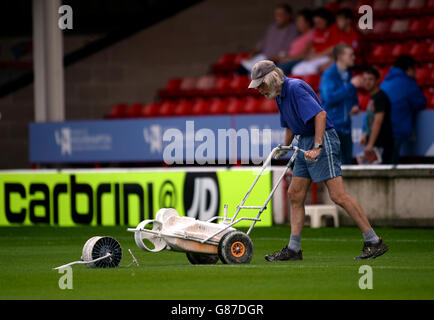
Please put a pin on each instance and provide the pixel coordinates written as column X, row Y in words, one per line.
column 65, row 281
column 201, row 195
column 167, row 196
column 365, row 281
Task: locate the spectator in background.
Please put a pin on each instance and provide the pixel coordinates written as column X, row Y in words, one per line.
column 343, row 29
column 406, row 98
column 277, row 39
column 301, row 45
column 338, row 91
column 321, row 47
column 377, row 126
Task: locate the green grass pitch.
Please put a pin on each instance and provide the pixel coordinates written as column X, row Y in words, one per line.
column 328, row 271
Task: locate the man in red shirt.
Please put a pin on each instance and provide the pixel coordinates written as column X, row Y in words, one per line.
column 343, row 31
column 323, row 37
column 323, row 41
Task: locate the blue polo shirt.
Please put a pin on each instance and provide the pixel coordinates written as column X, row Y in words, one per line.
column 298, row 104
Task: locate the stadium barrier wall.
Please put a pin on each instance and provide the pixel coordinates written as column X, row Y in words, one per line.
column 398, row 196
column 126, row 196
column 146, row 140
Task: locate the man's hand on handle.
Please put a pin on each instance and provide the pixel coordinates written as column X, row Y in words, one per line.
column 279, row 154
column 312, row 155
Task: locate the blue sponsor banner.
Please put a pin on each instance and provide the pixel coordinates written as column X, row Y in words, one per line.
column 116, row 140
column 184, row 140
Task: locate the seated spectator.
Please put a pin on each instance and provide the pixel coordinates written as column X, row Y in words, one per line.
column 321, row 47
column 406, row 98
column 338, row 91
column 377, row 125
column 301, row 45
column 277, row 39
column 343, row 29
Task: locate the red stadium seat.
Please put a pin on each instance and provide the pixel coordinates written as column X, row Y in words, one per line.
column 430, row 80
column 268, row 106
column 252, row 105
column 172, row 88
column 430, row 27
column 205, row 84
column 201, row 107
column 183, row 107
column 383, row 72
column 397, row 5
column 380, row 5
column 223, row 86
column 167, row 108
column 431, row 50
column 188, row 83
column 119, row 110
column 381, row 28
column 423, row 74
column 417, row 25
column 226, row 63
column 380, row 53
column 313, row 80
column 151, row 110
column 239, row 85
column 235, row 105
column 399, row 26
column 400, row 49
column 418, row 50
column 135, row 110
column 364, row 98
column 226, row 59
column 218, row 106
column 188, row 87
column 416, row 4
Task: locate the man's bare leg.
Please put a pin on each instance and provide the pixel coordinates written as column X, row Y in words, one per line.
column 340, row 196
column 297, row 192
column 374, row 246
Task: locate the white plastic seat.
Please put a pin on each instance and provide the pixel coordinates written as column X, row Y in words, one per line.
column 316, row 212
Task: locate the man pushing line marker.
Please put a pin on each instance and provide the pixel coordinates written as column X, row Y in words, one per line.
column 301, row 114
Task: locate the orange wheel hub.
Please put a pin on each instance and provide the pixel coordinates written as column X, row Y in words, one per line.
column 238, row 249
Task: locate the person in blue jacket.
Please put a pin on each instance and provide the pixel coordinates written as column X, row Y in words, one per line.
column 338, row 91
column 406, row 98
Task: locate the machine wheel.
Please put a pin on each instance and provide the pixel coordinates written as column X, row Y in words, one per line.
column 235, row 247
column 201, row 258
column 97, row 247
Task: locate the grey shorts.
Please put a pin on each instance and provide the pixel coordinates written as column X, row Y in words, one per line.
column 328, row 165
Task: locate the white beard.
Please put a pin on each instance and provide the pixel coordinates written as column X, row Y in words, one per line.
column 271, row 95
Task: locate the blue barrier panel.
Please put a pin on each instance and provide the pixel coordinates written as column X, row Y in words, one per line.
column 184, row 140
